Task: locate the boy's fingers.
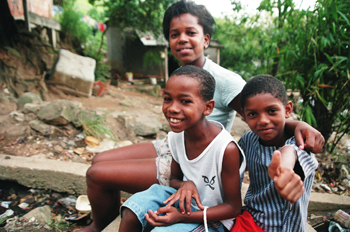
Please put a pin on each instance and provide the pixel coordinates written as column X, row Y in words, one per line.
column 182, row 204
column 198, row 201
column 289, row 185
column 161, row 210
column 284, row 178
column 299, row 139
column 298, row 195
column 169, row 198
column 188, row 202
column 172, row 199
column 273, row 169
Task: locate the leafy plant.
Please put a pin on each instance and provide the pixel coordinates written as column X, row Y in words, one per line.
column 307, row 50
column 95, row 126
column 72, row 24
column 316, row 55
column 145, row 15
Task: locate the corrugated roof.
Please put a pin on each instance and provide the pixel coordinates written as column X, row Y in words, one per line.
column 149, row 39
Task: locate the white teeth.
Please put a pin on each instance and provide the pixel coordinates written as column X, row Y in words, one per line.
column 173, row 120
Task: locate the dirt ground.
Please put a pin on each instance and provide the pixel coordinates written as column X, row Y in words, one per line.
column 30, row 143
column 116, row 99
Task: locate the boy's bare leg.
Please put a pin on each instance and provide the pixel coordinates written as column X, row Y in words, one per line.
column 135, row 151
column 129, row 221
column 106, row 178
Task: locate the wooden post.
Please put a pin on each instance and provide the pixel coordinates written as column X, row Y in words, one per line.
column 26, row 14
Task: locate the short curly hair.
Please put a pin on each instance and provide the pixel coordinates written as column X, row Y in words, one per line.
column 264, row 84
column 205, row 19
column 205, row 79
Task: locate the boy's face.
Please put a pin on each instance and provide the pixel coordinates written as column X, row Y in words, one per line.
column 265, row 115
column 183, row 106
column 187, row 40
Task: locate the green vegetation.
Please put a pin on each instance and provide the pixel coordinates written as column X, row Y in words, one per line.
column 95, row 126
column 145, row 15
column 307, row 50
column 72, row 25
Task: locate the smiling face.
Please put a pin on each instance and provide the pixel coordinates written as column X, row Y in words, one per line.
column 187, row 40
column 183, row 106
column 265, row 115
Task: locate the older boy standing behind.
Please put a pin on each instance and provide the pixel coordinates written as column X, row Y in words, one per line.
column 281, row 174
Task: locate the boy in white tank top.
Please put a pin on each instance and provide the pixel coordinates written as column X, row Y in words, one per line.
column 205, row 170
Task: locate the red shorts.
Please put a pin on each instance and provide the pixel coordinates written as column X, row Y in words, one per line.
column 245, row 222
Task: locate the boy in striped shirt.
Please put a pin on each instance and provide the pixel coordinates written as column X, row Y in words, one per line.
column 281, row 174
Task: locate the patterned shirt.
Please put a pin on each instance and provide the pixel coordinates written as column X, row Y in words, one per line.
column 270, row 211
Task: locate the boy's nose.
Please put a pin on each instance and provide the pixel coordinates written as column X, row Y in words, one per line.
column 183, row 37
column 263, row 119
column 173, row 108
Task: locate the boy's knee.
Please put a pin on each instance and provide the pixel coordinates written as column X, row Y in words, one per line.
column 91, row 174
column 129, row 218
column 97, row 158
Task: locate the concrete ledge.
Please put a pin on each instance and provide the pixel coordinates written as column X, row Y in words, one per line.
column 113, row 226
column 44, row 173
column 326, row 201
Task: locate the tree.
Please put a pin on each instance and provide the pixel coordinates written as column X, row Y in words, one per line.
column 313, row 57
column 138, row 14
column 306, row 49
column 317, row 56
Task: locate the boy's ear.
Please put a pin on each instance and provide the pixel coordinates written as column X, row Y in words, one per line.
column 209, row 107
column 289, row 109
column 206, row 40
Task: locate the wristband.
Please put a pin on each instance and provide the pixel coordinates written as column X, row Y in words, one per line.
column 205, row 218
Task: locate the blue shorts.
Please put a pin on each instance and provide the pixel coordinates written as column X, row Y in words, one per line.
column 153, row 198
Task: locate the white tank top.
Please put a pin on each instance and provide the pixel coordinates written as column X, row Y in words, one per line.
column 205, row 170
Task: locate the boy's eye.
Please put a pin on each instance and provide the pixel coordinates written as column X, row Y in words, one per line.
column 166, row 99
column 271, row 111
column 252, row 114
column 173, row 35
column 185, row 101
column 191, row 33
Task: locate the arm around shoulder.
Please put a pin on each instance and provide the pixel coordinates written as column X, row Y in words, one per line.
column 305, row 135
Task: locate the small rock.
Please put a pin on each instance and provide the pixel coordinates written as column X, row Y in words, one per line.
column 124, row 143
column 57, row 149
column 325, row 187
column 40, row 214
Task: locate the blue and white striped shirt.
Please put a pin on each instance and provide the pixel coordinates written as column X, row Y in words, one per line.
column 270, row 211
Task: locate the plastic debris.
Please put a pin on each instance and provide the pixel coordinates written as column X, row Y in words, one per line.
column 343, row 218
column 83, row 204
column 8, row 213
column 6, row 204
column 335, row 227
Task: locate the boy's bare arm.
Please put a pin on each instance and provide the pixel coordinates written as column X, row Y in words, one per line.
column 287, row 183
column 232, row 203
column 306, row 136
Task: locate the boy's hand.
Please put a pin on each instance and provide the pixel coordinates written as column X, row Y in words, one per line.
column 308, row 138
column 185, row 193
column 288, row 184
column 172, row 216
